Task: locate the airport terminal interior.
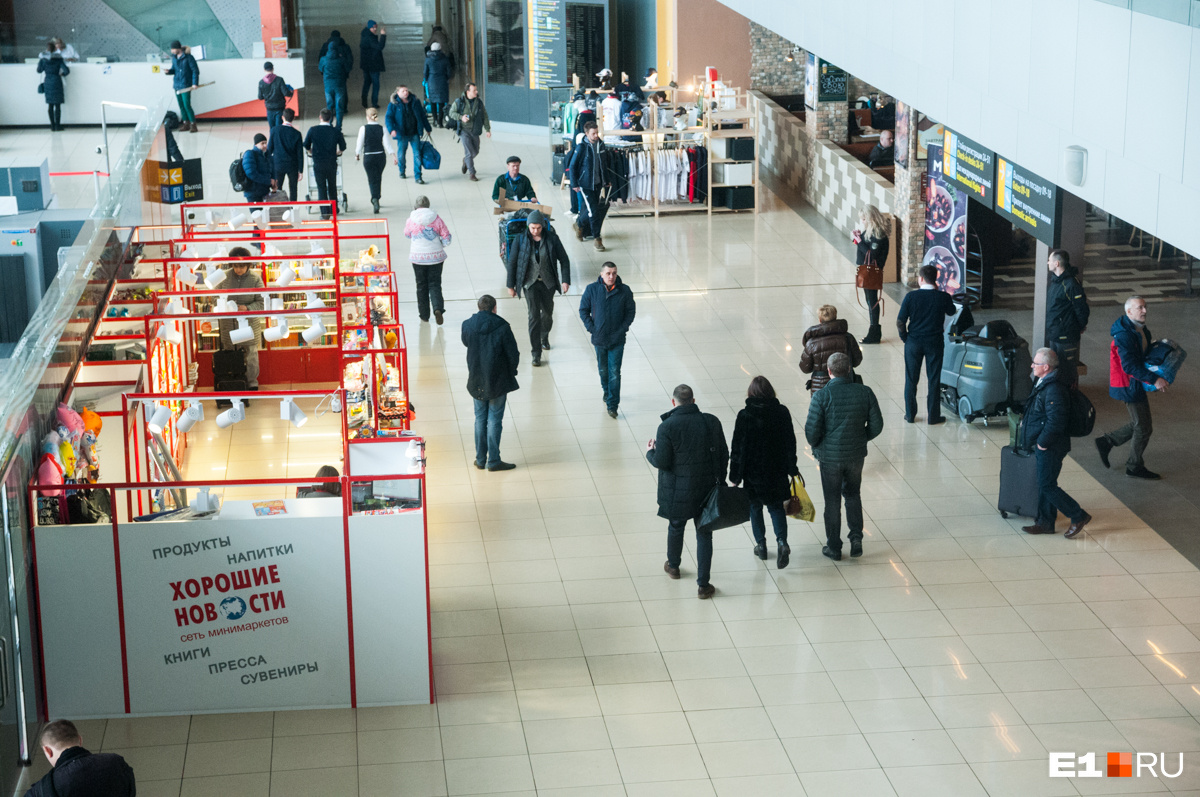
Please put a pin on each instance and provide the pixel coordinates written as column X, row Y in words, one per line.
column 952, row 658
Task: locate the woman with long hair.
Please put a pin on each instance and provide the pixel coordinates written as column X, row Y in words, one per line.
column 871, row 238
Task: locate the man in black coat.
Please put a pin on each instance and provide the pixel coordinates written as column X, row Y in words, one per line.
column 286, row 152
column 325, row 144
column 921, row 324
column 274, row 92
column 588, row 179
column 492, row 358
column 1067, row 314
column 690, row 453
column 1044, row 431
column 406, row 122
column 538, row 267
column 607, row 309
column 77, row 772
column 370, row 58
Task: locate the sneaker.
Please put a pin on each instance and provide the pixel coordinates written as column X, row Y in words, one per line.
column 437, row 314
column 599, row 244
column 1103, row 447
column 782, row 556
column 419, row 181
column 832, row 554
column 706, row 592
column 501, row 466
column 856, row 548
column 1140, row 472
column 761, row 552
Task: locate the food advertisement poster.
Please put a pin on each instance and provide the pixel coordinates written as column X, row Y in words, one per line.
column 1026, row 200
column 945, row 224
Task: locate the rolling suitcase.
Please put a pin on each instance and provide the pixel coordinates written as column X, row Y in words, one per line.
column 229, row 373
column 1018, row 484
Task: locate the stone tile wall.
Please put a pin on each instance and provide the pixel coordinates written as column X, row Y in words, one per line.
column 770, row 72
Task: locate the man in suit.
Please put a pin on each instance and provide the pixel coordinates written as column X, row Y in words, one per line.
column 325, row 144
column 921, row 324
column 286, row 151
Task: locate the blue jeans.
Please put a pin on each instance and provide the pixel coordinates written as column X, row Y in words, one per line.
column 842, row 480
column 609, row 363
column 371, row 81
column 402, row 145
column 1051, row 497
column 778, row 521
column 274, row 118
column 489, row 423
column 704, row 548
column 335, row 100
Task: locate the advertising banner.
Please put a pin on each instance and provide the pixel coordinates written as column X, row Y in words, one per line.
column 1026, row 200
column 810, row 81
column 945, row 224
column 902, row 134
column 970, row 165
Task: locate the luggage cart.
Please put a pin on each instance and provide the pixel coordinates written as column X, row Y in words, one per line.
column 343, row 201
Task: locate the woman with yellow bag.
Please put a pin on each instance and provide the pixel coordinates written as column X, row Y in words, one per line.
column 763, row 455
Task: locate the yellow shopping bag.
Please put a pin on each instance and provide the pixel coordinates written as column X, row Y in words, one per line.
column 800, row 506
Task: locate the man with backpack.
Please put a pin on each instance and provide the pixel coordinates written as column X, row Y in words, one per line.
column 1067, row 314
column 274, row 93
column 256, row 169
column 468, row 116
column 336, row 62
column 1127, row 380
column 1045, row 431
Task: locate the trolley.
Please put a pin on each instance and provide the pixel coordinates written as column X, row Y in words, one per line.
column 343, row 201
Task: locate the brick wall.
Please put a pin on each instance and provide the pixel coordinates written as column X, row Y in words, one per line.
column 910, row 210
column 770, row 72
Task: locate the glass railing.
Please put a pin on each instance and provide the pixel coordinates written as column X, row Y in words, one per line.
column 1185, row 12
column 44, row 358
column 140, row 35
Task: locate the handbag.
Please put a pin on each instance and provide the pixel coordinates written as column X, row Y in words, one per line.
column 431, row 159
column 41, row 88
column 725, row 506
column 869, row 277
column 800, row 506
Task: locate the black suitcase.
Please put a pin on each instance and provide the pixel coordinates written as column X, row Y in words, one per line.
column 1018, row 484
column 229, row 373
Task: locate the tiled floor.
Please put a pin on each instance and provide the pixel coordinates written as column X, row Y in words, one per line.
column 948, row 660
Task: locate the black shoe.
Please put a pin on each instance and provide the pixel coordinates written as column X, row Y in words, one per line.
column 673, row 572
column 612, row 413
column 832, row 554
column 546, row 344
column 874, row 334
column 1103, row 447
column 403, row 176
column 375, row 204
column 425, row 318
column 437, row 314
column 938, row 420
column 1140, row 472
column 419, row 181
column 782, row 556
column 537, row 361
column 856, row 547
column 501, row 466
column 464, row 167
column 1037, row 528
column 910, row 419
column 761, row 552
column 481, row 465
column 706, row 592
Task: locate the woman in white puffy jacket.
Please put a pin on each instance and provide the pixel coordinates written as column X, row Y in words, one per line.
column 428, row 237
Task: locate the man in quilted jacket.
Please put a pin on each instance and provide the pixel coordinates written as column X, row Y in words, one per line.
column 842, row 418
column 1127, row 373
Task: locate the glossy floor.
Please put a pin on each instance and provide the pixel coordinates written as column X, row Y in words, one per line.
column 949, row 659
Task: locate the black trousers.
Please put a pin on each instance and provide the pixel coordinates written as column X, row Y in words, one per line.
column 842, row 480
column 374, row 164
column 872, row 300
column 292, row 178
column 54, row 111
column 326, row 174
column 429, row 288
column 539, row 300
column 931, row 352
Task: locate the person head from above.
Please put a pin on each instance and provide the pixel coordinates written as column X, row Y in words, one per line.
column 928, row 275
column 592, row 131
column 536, row 223
column 372, row 115
column 514, row 166
column 289, row 115
column 371, row 26
column 260, row 141
column 268, row 67
column 472, row 91
column 326, row 115
column 403, row 93
column 760, row 387
column 176, row 47
column 1044, row 361
column 682, row 394
column 58, row 736
column 1135, row 308
column 327, row 472
column 838, row 365
column 436, row 47
column 1058, row 260
column 608, row 273
column 872, row 223
column 242, row 266
column 651, row 73
column 421, row 202
column 603, row 73
column 486, row 303
column 659, row 97
column 335, row 34
column 826, row 313
column 887, row 139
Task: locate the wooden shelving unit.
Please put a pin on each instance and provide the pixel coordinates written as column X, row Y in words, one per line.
column 725, row 107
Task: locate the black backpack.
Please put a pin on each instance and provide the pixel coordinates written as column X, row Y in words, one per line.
column 1081, row 414
column 237, row 174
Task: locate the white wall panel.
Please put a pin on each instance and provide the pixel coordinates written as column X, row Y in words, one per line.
column 1191, row 136
column 1159, row 62
column 1177, row 207
column 1052, row 40
column 1001, row 122
column 1131, row 192
column 1100, row 85
column 1009, row 42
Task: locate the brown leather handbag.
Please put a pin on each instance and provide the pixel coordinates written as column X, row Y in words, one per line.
column 869, row 276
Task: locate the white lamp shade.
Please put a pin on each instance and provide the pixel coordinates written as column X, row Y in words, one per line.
column 288, row 215
column 308, row 270
column 314, row 302
column 277, row 303
column 244, row 332
column 238, row 220
column 158, row 420
column 168, row 332
column 187, row 274
column 277, row 332
column 289, row 411
column 260, row 219
column 210, row 221
column 175, row 307
column 316, row 249
column 315, row 332
column 188, row 418
column 286, row 275
column 234, row 414
column 215, row 278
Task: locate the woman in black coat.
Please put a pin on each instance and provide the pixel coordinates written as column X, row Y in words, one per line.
column 871, row 240
column 54, row 68
column 763, row 455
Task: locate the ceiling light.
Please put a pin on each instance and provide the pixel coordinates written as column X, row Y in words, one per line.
column 234, row 414
column 215, row 278
column 314, row 302
column 187, row 419
column 315, row 248
column 277, row 332
column 315, row 332
column 290, row 411
column 238, row 220
column 210, row 220
column 157, row 420
column 187, row 274
column 277, row 303
column 308, row 271
column 168, row 332
column 260, row 219
column 175, row 307
column 285, row 277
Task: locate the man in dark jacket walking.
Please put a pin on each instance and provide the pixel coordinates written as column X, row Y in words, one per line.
column 587, row 178
column 274, row 92
column 470, row 117
column 406, row 123
column 921, row 324
column 538, row 267
column 690, row 453
column 1127, row 373
column 286, row 153
column 1067, row 314
column 258, row 170
column 79, row 772
column 336, row 61
column 1044, row 432
column 492, row 358
column 370, row 58
column 842, row 418
column 325, row 144
column 607, row 309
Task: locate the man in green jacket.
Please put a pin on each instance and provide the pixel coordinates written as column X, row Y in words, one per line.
column 470, row 118
column 842, row 418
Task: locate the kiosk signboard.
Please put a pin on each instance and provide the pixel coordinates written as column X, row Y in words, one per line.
column 823, row 82
column 547, row 43
column 969, row 165
column 1026, row 200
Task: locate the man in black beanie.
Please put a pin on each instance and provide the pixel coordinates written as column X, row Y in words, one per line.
column 538, row 266
column 258, row 170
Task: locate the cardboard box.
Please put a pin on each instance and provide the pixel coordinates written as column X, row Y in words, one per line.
column 505, row 205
